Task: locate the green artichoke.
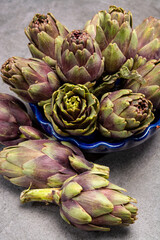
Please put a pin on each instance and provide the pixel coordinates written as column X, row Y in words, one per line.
column 45, row 34
column 44, row 163
column 123, row 113
column 79, row 60
column 148, row 33
column 31, row 79
column 113, row 32
column 72, row 110
column 89, row 202
column 12, row 115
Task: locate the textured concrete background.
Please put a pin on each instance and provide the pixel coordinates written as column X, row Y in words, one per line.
column 137, row 170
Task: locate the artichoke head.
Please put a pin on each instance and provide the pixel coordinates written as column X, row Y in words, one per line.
column 45, row 34
column 148, row 33
column 12, row 115
column 113, row 32
column 124, row 113
column 31, row 79
column 44, row 163
column 72, row 110
column 79, row 60
column 90, row 202
column 144, row 77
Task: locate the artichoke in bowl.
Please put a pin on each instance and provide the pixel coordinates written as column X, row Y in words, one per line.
column 124, row 113
column 148, row 33
column 79, row 59
column 114, row 34
column 144, row 77
column 45, row 34
column 73, row 110
column 31, row 79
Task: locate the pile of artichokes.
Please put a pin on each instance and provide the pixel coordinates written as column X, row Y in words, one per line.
column 102, row 80
column 71, row 72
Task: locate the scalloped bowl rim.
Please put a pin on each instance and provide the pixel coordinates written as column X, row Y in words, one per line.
column 88, row 146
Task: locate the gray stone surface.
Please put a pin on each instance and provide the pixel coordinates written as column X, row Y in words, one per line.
column 137, row 170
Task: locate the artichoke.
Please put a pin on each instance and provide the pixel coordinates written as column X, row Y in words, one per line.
column 113, row 32
column 148, row 33
column 72, row 110
column 31, row 79
column 144, row 77
column 79, row 60
column 123, row 113
column 12, row 115
column 44, row 163
column 45, row 34
column 89, row 202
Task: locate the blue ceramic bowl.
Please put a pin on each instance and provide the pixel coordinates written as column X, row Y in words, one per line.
column 94, row 143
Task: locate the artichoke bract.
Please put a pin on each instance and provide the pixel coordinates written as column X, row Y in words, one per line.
column 45, row 34
column 105, row 84
column 129, row 72
column 144, row 77
column 113, row 32
column 148, row 33
column 12, row 115
column 79, row 60
column 124, row 113
column 44, row 163
column 89, row 202
column 72, row 110
column 29, row 132
column 31, row 79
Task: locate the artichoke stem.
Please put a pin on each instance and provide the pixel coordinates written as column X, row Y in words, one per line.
column 47, row 195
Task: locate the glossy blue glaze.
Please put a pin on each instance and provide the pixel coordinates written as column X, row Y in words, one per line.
column 89, row 143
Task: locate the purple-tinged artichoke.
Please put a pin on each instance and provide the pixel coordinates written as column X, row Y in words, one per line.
column 123, row 113
column 31, row 79
column 79, row 60
column 44, row 163
column 12, row 115
column 113, row 32
column 148, row 33
column 45, row 34
column 89, row 202
column 72, row 110
column 144, row 77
